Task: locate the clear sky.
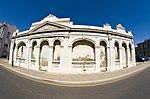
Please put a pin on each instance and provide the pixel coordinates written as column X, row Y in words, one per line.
column 132, row 14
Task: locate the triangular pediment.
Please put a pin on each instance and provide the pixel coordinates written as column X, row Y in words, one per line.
column 48, row 26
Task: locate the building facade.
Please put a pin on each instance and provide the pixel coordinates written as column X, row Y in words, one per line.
column 143, row 48
column 6, row 32
column 56, row 45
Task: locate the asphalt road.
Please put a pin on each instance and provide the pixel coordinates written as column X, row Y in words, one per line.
column 13, row 86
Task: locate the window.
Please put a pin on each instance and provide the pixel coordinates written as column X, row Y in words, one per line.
column 8, row 35
column 116, row 51
column 1, row 32
column 56, row 50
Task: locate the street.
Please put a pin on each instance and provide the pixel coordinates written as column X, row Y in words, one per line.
column 13, row 86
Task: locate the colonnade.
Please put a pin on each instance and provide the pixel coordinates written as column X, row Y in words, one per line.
column 56, row 55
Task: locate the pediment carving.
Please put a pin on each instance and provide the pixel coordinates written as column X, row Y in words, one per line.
column 47, row 27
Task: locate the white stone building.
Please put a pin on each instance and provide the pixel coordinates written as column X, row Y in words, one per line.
column 56, row 45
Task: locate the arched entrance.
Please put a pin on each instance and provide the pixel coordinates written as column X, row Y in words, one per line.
column 103, row 56
column 21, row 54
column 117, row 54
column 83, row 55
column 56, row 54
column 44, row 54
column 33, row 54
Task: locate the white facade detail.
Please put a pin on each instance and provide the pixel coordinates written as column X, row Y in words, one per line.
column 56, row 45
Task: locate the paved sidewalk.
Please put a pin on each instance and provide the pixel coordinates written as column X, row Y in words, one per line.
column 76, row 78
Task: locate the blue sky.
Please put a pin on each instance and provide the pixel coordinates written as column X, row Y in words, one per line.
column 132, row 14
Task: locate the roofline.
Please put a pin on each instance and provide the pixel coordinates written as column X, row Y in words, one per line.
column 78, row 30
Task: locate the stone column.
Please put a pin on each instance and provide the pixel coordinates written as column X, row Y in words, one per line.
column 61, row 57
column 11, row 52
column 133, row 56
column 27, row 54
column 66, row 59
column 97, row 58
column 50, row 59
column 120, row 57
column 30, row 52
column 15, row 55
column 70, row 68
column 37, row 58
column 110, row 55
column 128, row 57
column 108, row 59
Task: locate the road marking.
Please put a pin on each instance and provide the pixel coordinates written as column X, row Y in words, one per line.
column 72, row 85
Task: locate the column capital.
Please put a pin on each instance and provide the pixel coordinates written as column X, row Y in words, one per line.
column 109, row 37
column 51, row 46
column 108, row 47
column 37, row 46
column 120, row 47
column 97, row 46
column 70, row 46
column 61, row 46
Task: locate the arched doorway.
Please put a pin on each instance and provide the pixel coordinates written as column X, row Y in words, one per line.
column 21, row 54
column 117, row 54
column 103, row 56
column 56, row 50
column 83, row 55
column 56, row 54
column 44, row 54
column 33, row 53
column 130, row 50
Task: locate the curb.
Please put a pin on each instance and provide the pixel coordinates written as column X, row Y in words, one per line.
column 77, row 82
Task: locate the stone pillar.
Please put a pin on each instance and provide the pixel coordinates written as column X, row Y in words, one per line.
column 133, row 56
column 120, row 58
column 108, row 59
column 37, row 58
column 128, row 57
column 66, row 59
column 27, row 54
column 11, row 51
column 30, row 52
column 97, row 58
column 50, row 59
column 15, row 55
column 70, row 59
column 114, row 57
column 110, row 55
column 61, row 57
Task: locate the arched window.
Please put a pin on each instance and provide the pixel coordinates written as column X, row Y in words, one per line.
column 83, row 50
column 130, row 49
column 21, row 50
column 103, row 54
column 116, row 51
column 56, row 50
column 33, row 53
column 44, row 53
